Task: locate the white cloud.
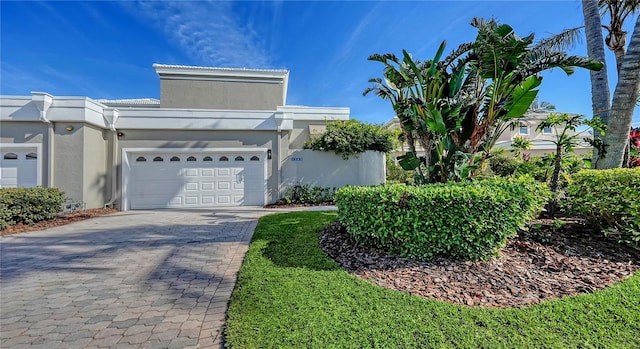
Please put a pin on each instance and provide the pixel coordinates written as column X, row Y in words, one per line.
column 347, row 47
column 208, row 31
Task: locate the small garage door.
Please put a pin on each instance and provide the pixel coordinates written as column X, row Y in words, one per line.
column 184, row 180
column 18, row 168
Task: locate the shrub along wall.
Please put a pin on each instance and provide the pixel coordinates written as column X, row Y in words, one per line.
column 468, row 220
column 608, row 199
column 306, row 194
column 29, row 205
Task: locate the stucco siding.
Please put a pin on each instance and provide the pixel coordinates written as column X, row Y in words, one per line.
column 68, row 160
column 96, row 178
column 301, row 132
column 326, row 169
column 194, row 94
column 22, row 132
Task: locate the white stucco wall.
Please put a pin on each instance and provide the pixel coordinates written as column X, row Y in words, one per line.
column 326, row 169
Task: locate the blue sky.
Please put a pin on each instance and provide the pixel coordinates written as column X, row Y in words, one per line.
column 105, row 49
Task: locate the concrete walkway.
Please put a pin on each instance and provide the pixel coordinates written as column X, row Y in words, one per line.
column 140, row 279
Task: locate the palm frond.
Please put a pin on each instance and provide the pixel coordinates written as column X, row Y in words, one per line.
column 457, row 53
column 569, row 38
column 384, row 58
column 557, row 60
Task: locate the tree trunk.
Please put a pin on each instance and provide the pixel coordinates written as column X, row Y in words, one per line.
column 555, row 177
column 600, row 97
column 625, row 98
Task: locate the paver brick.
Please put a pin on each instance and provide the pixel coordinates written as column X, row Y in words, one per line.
column 108, row 332
column 136, row 339
column 104, row 342
column 123, row 283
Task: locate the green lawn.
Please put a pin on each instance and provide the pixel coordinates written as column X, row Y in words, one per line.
column 290, row 295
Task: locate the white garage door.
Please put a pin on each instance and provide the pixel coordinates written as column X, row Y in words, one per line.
column 183, row 180
column 18, row 168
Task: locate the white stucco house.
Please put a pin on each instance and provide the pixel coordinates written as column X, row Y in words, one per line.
column 216, row 137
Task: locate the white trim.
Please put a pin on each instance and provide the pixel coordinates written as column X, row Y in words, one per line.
column 22, row 146
column 520, row 130
column 223, row 79
column 89, row 111
column 126, row 166
column 166, row 69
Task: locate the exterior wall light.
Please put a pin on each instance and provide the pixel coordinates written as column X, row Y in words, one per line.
column 269, row 154
column 69, row 128
column 120, row 134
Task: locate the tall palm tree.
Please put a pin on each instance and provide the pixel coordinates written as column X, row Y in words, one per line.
column 618, row 11
column 600, row 97
column 624, row 103
column 617, row 135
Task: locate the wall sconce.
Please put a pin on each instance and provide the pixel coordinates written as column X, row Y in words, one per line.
column 69, row 128
column 120, row 134
column 269, row 154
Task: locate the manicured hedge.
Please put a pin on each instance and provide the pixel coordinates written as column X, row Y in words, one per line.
column 610, row 199
column 468, row 220
column 29, row 205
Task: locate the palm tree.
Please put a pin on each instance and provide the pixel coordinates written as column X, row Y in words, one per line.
column 618, row 11
column 460, row 105
column 600, row 97
column 509, row 66
column 624, row 102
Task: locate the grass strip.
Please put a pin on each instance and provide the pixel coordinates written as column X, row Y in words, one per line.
column 290, row 295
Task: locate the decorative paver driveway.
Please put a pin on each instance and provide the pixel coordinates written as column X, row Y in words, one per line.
column 148, row 279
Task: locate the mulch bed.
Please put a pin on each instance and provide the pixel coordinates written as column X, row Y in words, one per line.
column 538, row 265
column 62, row 220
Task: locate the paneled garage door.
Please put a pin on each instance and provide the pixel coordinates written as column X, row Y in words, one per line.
column 18, row 168
column 183, row 180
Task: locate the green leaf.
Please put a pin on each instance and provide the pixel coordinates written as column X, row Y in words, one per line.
column 436, row 59
column 409, row 61
column 409, row 161
column 522, row 97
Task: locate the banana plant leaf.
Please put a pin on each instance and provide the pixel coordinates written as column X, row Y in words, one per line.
column 522, row 97
column 409, row 161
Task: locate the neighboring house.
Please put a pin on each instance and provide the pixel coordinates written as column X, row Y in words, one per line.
column 541, row 142
column 527, row 127
column 216, row 137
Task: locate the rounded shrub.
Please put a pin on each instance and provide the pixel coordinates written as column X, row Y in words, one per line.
column 609, row 200
column 468, row 220
column 29, row 205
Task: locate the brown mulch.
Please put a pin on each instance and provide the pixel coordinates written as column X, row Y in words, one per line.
column 535, row 266
column 61, row 220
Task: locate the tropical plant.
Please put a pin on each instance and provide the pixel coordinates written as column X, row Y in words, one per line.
column 634, row 147
column 541, row 107
column 566, row 137
column 616, row 39
column 619, row 114
column 520, row 144
column 457, row 107
column 600, row 96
